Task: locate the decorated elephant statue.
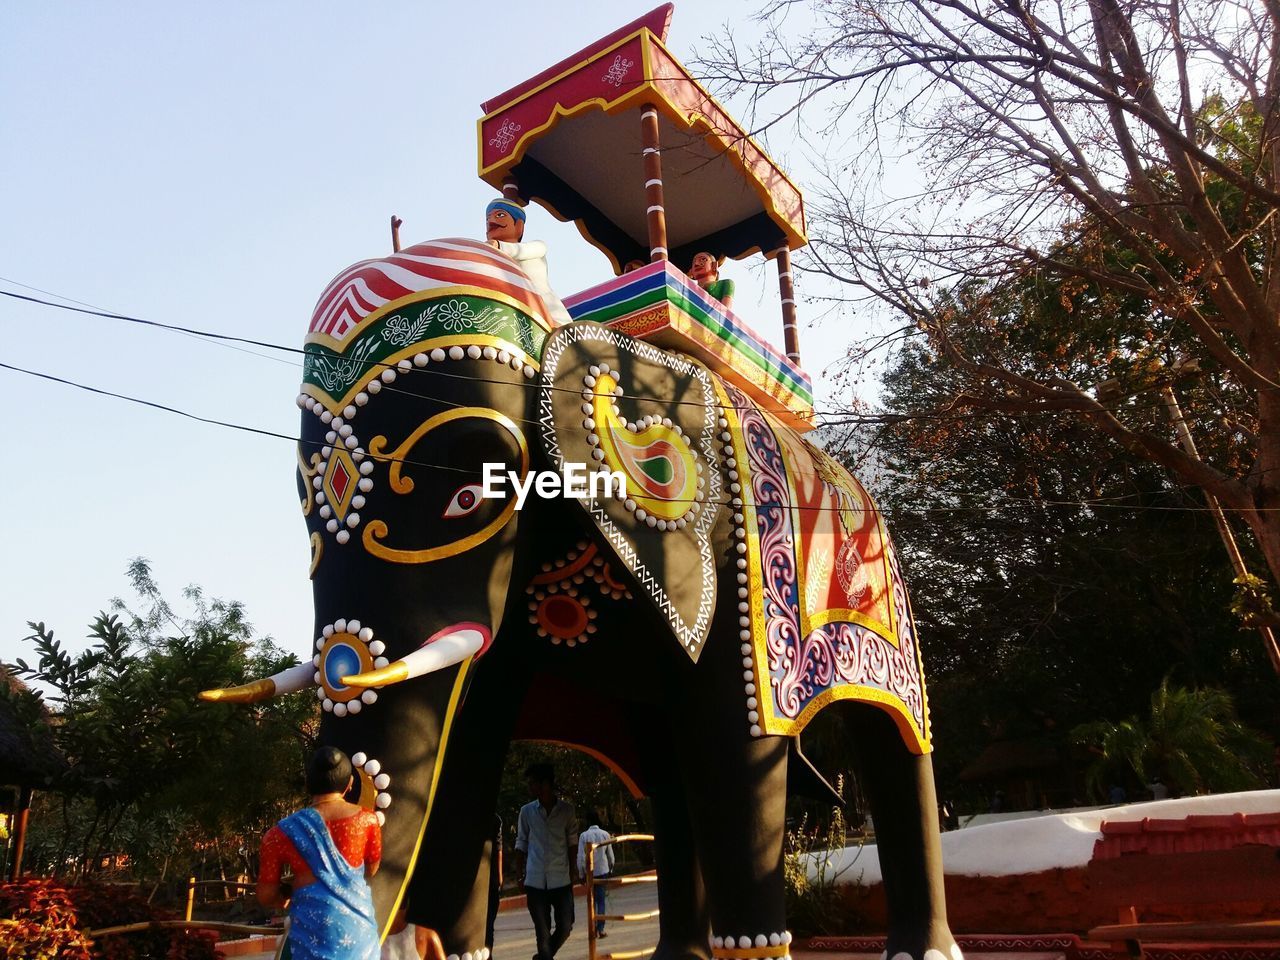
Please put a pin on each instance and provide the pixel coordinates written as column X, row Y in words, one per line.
column 682, row 621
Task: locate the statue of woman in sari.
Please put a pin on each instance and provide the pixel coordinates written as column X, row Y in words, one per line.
column 334, row 847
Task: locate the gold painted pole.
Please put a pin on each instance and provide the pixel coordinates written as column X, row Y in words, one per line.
column 591, row 901
column 1219, row 518
column 191, row 896
column 656, row 215
column 592, row 916
column 787, row 291
column 20, row 831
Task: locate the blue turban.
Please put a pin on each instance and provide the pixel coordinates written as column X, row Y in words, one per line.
column 513, row 208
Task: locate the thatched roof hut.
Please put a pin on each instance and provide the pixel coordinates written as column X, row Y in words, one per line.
column 28, row 755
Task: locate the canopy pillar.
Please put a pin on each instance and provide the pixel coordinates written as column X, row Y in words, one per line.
column 787, row 290
column 656, row 215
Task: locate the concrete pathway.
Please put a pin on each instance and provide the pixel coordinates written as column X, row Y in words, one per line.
column 513, row 930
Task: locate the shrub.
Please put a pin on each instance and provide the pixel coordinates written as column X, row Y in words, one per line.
column 48, row 921
column 39, row 923
column 817, row 903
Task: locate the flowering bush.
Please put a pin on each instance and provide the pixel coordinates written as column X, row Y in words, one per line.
column 47, row 921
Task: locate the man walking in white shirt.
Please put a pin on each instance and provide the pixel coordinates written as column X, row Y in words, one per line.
column 546, row 835
column 602, row 864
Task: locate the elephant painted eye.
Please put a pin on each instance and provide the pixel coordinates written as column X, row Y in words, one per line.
column 466, row 500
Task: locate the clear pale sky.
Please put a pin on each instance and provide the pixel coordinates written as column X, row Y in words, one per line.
column 214, row 166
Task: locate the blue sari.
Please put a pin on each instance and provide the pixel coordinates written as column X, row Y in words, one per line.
column 331, row 919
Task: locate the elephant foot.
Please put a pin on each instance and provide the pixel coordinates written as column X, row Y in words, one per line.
column 481, row 953
column 932, row 942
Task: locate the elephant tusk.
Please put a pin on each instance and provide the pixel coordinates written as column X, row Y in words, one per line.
column 286, row 681
column 444, row 649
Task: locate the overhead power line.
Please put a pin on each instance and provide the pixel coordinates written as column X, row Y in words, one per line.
column 830, row 418
column 1007, row 501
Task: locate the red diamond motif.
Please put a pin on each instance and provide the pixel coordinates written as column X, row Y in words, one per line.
column 338, row 480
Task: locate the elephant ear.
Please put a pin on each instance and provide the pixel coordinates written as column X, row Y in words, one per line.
column 619, row 405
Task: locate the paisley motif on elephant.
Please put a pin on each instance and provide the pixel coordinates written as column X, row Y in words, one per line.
column 659, row 465
column 665, row 448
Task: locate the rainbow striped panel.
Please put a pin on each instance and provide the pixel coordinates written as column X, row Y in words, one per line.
column 661, row 305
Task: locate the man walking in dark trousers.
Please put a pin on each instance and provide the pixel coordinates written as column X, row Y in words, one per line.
column 546, row 851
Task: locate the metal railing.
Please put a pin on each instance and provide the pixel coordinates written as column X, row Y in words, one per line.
column 192, row 883
column 592, row 917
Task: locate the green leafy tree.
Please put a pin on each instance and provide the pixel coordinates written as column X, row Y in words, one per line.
column 153, row 772
column 1191, row 739
column 1104, row 155
column 1056, row 577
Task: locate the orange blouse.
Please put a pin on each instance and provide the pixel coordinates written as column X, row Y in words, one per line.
column 357, row 837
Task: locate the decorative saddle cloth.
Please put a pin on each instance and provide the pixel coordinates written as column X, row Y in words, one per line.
column 830, row 619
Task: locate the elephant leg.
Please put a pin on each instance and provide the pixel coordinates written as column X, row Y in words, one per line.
column 449, row 891
column 737, row 798
column 899, row 786
column 684, row 923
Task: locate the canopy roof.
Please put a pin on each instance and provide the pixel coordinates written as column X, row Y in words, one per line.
column 570, row 137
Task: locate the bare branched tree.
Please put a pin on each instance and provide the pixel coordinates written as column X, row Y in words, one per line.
column 1109, row 151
